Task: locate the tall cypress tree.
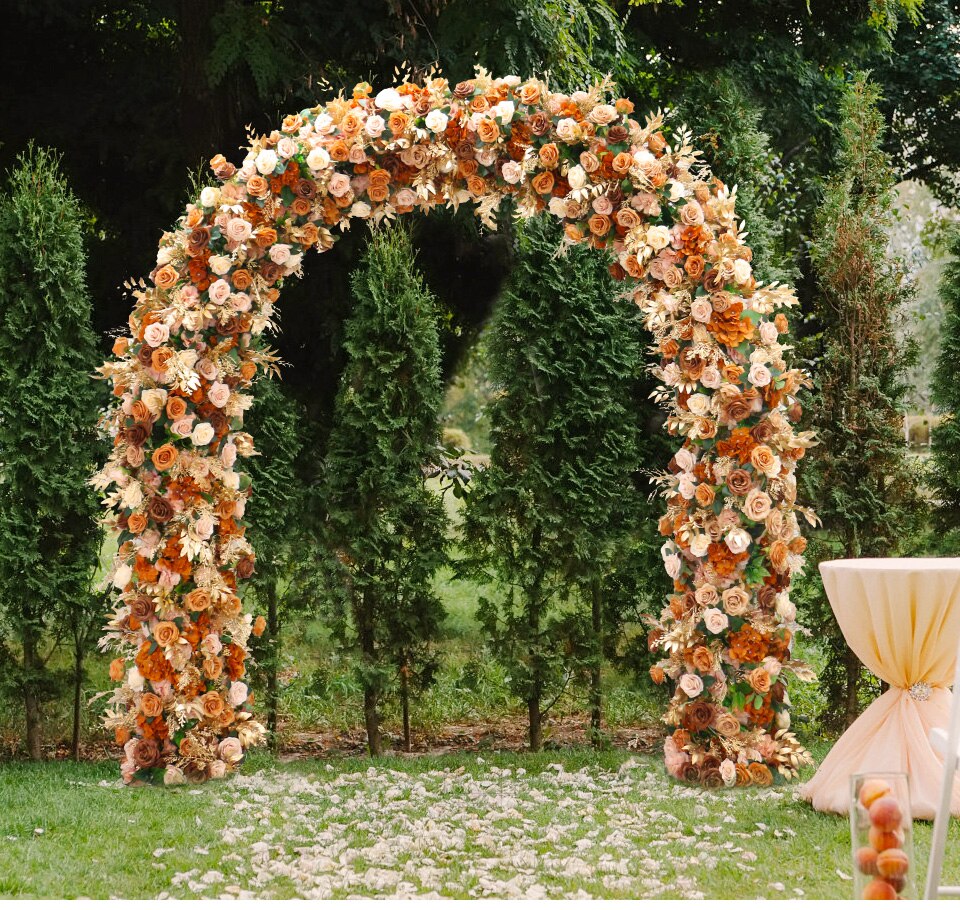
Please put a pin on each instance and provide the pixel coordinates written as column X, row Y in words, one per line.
column 385, row 530
column 944, row 474
column 49, row 535
column 560, row 504
column 860, row 479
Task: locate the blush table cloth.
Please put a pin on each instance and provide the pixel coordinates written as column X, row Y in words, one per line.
column 901, row 617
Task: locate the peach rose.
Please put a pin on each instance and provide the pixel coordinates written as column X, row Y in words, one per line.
column 736, row 601
column 239, row 230
column 549, row 155
column 212, row 704
column 488, row 130
column 230, row 750
column 259, row 626
column 779, row 554
column 197, row 600
column 165, row 457
column 156, row 334
column 763, row 459
column 117, row 668
column 691, row 213
column 759, row 680
column 691, row 685
column 166, row 277
column 166, row 634
column 218, row 394
column 757, row 505
column 150, row 705
column 212, row 667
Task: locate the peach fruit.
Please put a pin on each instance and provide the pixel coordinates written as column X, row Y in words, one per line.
column 885, row 840
column 885, row 813
column 893, row 863
column 867, row 860
column 871, row 790
column 879, row 890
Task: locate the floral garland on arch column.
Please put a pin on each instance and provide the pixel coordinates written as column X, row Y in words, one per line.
column 175, row 495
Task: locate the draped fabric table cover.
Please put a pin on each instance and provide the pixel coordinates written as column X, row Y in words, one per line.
column 901, row 617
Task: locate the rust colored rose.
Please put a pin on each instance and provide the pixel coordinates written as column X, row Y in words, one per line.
column 241, row 279
column 549, row 155
column 779, row 553
column 212, row 667
column 117, row 669
column 212, row 704
column 760, row 774
column 543, row 182
column 140, row 412
column 259, row 626
column 137, row 523
column 197, row 601
column 767, row 597
column 146, row 753
column 166, row 633
column 305, row 189
column 464, row 89
column 539, row 123
column 270, row 271
column 599, row 225
column 150, row 705
column 160, row 510
column 743, row 776
column 137, row 434
column 231, row 605
column 737, row 409
column 245, row 567
column 657, row 675
column 266, row 236
column 762, row 434
column 711, row 778
column 166, row 277
column 705, row 495
column 165, row 457
column 739, row 482
column 142, row 608
column 702, row 659
column 691, row 775
column 759, row 680
column 477, row 186
column 698, row 715
column 617, row 134
column 488, row 130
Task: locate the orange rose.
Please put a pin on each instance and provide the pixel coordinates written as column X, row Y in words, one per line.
column 549, row 155
column 657, row 675
column 159, row 358
column 398, row 123
column 266, row 236
column 763, row 459
column 197, row 601
column 137, row 523
column 779, row 553
column 488, row 130
column 120, row 346
column 622, row 162
column 165, row 457
column 702, row 659
column 339, row 151
column 117, row 669
column 529, row 93
column 476, row 186
column 166, row 633
column 212, row 704
column 543, row 182
column 241, row 279
column 705, row 495
column 258, row 187
column 212, row 667
column 259, row 626
column 377, row 193
column 231, row 605
column 166, row 277
column 176, row 407
column 140, row 412
column 150, row 705
column 248, row 369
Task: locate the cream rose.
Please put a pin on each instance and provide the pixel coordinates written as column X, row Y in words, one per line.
column 219, row 265
column 568, row 130
column 769, row 333
column 715, row 620
column 266, row 161
column 759, row 375
column 202, row 434
column 757, row 505
column 389, row 99
column 658, row 237
column 738, row 540
column 711, row 378
column 685, row 459
column 512, row 172
column 742, row 271
column 603, row 114
column 318, row 159
column 673, row 564
column 577, row 177
column 209, row 197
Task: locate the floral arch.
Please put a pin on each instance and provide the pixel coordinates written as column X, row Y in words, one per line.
column 182, row 377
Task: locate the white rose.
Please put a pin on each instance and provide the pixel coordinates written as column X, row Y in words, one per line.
column 677, row 191
column 513, row 173
column 122, row 576
column 389, row 99
column 287, row 147
column 691, row 684
column 698, row 404
column 220, row 265
column 557, row 207
column 741, row 271
column 436, row 121
column 644, row 157
column 673, row 565
column 374, row 126
column 658, row 237
column 202, row 434
column 360, row 210
column 715, row 620
column 209, row 197
column 266, row 161
column 505, row 111
column 738, row 540
column 318, row 159
column 577, row 177
column 135, row 680
column 154, row 399
column 700, row 545
column 759, row 375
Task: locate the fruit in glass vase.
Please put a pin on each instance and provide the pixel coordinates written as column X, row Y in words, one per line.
column 871, row 790
column 885, row 813
column 879, row 890
column 882, row 840
column 867, row 860
column 893, row 863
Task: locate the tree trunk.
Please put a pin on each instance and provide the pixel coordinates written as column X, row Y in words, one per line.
column 77, row 696
column 273, row 684
column 31, row 701
column 536, row 720
column 536, row 676
column 405, row 705
column 371, row 715
column 596, row 687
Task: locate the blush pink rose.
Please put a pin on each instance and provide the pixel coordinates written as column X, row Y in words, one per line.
column 691, row 684
column 219, row 394
column 339, row 185
column 156, row 334
column 219, row 291
column 238, row 230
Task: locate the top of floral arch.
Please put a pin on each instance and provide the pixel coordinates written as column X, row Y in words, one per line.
column 176, row 499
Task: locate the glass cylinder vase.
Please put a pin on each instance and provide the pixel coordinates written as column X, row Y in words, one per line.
column 881, row 833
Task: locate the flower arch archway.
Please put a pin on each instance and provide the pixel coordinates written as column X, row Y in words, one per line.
column 182, row 379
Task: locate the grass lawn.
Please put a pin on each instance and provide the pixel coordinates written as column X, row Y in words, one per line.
column 562, row 823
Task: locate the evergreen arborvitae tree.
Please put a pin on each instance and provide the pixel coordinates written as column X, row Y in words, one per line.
column 944, row 473
column 860, row 479
column 49, row 534
column 560, row 503
column 282, row 583
column 385, row 531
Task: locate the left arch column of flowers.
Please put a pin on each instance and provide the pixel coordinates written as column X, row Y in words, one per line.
column 181, row 379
